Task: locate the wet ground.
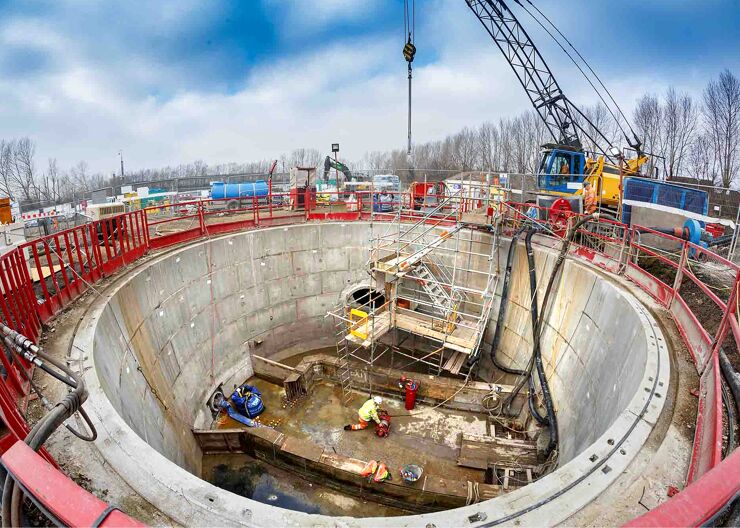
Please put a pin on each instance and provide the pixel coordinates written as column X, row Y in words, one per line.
column 425, row 436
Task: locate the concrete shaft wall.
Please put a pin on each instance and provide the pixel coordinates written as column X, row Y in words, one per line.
column 594, row 344
column 189, row 320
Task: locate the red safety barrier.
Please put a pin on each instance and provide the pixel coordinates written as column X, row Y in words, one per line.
column 67, row 502
column 698, row 502
column 64, row 264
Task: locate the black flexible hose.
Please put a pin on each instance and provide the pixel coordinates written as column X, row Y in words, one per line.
column 548, row 291
column 503, row 306
column 12, row 494
column 91, row 427
column 32, row 354
column 533, row 310
column 731, row 376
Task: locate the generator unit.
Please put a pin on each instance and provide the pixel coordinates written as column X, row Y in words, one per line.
column 106, row 210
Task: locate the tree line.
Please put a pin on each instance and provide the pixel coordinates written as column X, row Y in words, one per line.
column 684, row 137
column 690, row 137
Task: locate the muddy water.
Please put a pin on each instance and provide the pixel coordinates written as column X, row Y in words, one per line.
column 254, row 479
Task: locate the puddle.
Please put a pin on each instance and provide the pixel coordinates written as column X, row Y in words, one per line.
column 267, row 484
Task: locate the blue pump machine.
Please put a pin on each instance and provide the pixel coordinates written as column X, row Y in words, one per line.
column 247, row 405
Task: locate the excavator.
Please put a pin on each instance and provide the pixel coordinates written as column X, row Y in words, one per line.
column 564, row 166
column 329, row 189
column 330, row 163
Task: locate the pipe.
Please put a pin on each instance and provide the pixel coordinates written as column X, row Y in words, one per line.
column 12, row 494
column 548, row 291
column 731, row 400
column 502, row 308
column 533, row 305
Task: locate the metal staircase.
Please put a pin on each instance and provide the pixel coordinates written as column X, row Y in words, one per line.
column 443, row 298
column 439, row 288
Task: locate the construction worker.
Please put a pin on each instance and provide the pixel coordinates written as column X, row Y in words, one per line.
column 368, row 412
column 565, row 169
column 589, row 198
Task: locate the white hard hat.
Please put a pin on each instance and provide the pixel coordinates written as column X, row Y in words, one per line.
column 377, row 399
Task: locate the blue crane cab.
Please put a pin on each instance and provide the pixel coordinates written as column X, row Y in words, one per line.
column 561, row 169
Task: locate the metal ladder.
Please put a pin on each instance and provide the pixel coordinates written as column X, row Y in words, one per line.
column 344, row 373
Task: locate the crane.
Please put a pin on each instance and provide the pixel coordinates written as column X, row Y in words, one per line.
column 564, row 167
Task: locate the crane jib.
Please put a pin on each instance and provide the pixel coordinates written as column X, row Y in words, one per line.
column 566, row 123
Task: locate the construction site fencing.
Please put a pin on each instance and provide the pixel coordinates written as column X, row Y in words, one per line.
column 41, row 277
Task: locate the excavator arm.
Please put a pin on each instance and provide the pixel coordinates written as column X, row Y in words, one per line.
column 330, row 163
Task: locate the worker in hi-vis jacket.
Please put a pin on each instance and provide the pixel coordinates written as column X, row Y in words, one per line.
column 367, row 413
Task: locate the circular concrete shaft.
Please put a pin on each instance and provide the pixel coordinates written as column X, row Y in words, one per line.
column 175, row 328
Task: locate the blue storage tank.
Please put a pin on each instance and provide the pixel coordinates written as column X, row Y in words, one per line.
column 221, row 190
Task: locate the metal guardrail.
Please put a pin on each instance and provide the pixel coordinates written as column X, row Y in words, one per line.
column 43, row 276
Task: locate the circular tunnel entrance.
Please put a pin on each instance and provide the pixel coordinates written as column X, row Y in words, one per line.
column 367, row 298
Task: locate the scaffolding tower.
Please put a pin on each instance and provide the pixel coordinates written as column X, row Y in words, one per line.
column 436, row 280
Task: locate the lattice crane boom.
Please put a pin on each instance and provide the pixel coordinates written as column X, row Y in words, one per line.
column 565, row 122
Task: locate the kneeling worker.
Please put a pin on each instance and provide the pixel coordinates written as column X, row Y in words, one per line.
column 368, row 411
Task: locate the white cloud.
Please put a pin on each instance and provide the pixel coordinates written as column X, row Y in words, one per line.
column 301, row 18
column 88, row 108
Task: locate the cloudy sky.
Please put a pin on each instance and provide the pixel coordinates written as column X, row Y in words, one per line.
column 173, row 81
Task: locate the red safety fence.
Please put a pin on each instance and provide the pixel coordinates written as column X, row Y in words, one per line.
column 41, row 277
column 66, row 502
column 701, row 500
column 61, row 266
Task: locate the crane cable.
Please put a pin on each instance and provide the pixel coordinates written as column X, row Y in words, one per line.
column 580, row 69
column 409, row 50
column 588, row 66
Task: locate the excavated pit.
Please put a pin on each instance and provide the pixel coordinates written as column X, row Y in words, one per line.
column 175, row 329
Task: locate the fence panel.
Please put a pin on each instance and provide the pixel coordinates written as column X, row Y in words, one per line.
column 60, row 267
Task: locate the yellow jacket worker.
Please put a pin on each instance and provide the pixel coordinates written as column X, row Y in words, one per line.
column 368, row 412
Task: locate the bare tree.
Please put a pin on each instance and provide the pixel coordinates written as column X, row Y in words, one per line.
column 463, row 149
column 304, row 158
column 598, row 121
column 376, row 160
column 527, row 133
column 6, row 168
column 80, row 177
column 23, row 175
column 488, row 141
column 50, row 182
column 721, row 113
column 678, row 126
column 648, row 120
column 702, row 159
